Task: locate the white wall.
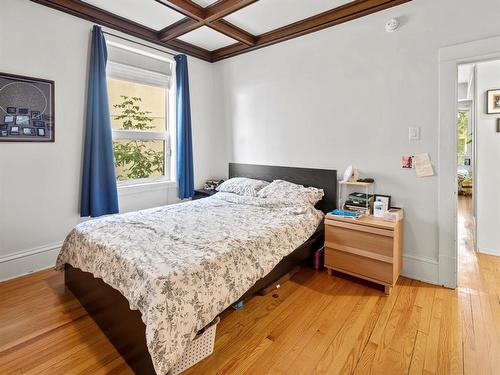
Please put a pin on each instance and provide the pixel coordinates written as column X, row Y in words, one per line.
column 348, row 95
column 40, row 183
column 488, row 156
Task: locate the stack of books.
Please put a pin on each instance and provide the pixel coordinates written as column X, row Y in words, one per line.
column 343, row 213
column 359, row 202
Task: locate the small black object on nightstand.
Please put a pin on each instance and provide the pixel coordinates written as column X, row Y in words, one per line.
column 369, row 180
column 202, row 193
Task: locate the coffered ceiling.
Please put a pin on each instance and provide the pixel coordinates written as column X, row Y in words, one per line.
column 217, row 29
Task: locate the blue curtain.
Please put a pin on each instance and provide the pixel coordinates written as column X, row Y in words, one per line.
column 185, row 173
column 99, row 194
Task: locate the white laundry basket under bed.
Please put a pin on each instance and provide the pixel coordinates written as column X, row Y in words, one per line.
column 201, row 347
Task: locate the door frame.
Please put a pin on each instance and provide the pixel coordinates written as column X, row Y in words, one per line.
column 449, row 59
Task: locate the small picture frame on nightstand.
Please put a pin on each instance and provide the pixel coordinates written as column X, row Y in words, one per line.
column 385, row 199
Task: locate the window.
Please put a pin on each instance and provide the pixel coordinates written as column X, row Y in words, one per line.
column 138, row 101
column 463, row 138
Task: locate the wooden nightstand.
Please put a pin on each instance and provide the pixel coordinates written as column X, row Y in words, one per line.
column 202, row 193
column 369, row 248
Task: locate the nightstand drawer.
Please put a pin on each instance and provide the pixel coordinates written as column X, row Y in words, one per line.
column 359, row 265
column 374, row 240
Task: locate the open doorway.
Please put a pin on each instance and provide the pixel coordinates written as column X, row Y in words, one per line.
column 466, row 229
column 486, row 201
column 478, row 153
column 465, row 131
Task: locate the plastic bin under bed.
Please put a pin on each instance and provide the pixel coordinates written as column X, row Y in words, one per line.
column 201, row 347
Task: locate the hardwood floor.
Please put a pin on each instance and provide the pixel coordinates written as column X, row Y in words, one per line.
column 314, row 324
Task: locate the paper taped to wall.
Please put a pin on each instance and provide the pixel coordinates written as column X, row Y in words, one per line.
column 423, row 166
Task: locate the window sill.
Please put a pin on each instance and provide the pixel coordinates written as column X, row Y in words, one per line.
column 143, row 187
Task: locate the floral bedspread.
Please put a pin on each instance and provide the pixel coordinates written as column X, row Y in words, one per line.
column 181, row 265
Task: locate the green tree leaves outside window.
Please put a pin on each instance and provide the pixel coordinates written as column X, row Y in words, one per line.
column 135, row 157
column 463, row 138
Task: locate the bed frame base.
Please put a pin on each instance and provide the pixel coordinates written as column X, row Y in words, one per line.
column 124, row 327
column 277, row 284
column 111, row 311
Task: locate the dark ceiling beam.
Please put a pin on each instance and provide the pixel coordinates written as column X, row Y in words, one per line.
column 327, row 19
column 86, row 11
column 223, row 8
column 348, row 12
column 94, row 14
column 185, row 7
column 190, row 49
column 179, row 28
column 212, row 18
column 186, row 25
column 234, row 32
column 232, row 50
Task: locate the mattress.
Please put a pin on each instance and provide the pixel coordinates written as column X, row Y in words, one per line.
column 181, row 265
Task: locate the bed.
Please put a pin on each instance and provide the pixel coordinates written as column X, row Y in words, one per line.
column 140, row 302
column 464, row 180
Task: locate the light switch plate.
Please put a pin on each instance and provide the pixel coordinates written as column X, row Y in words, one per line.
column 414, row 133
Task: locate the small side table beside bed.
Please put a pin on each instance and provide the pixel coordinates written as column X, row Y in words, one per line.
column 368, row 247
column 202, row 193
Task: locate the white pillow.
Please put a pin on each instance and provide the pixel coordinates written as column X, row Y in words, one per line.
column 288, row 191
column 242, row 186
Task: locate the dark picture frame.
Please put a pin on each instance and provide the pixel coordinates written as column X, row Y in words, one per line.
column 493, row 101
column 30, row 99
column 498, row 125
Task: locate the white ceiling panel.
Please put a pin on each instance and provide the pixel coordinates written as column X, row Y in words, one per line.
column 204, row 3
column 207, row 38
column 148, row 13
column 267, row 15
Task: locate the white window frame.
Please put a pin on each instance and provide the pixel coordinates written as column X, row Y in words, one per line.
column 141, row 76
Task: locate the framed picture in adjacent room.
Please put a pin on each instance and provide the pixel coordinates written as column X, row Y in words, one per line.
column 493, row 101
column 26, row 102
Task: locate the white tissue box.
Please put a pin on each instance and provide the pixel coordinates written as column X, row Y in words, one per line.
column 393, row 214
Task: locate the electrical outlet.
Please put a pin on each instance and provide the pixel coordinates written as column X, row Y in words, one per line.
column 414, row 133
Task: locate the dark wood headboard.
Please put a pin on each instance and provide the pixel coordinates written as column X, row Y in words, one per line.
column 325, row 179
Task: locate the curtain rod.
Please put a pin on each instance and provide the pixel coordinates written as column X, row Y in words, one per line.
column 133, row 41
